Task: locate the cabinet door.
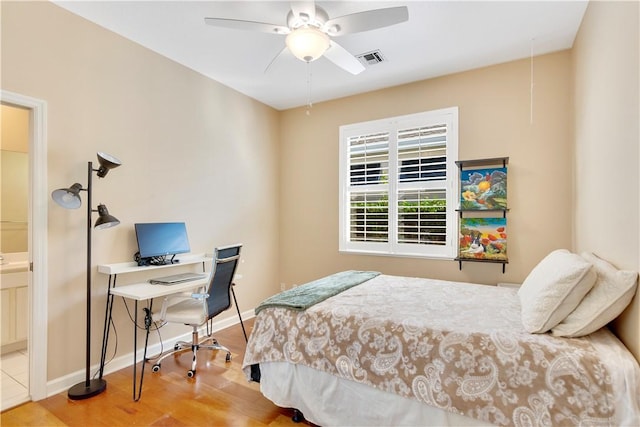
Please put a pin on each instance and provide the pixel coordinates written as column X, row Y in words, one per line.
column 22, row 313
column 7, row 316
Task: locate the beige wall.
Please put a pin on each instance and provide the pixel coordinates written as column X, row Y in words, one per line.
column 192, row 149
column 494, row 121
column 607, row 158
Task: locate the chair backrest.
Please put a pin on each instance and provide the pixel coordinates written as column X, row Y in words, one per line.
column 225, row 262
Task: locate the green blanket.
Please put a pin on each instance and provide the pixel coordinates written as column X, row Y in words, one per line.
column 304, row 296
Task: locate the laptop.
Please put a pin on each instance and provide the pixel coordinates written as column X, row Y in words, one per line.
column 177, row 278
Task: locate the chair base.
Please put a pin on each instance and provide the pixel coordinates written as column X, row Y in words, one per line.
column 208, row 343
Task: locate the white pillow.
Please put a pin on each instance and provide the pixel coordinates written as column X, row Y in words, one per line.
column 611, row 294
column 553, row 289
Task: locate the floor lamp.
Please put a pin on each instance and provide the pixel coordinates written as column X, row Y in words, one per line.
column 69, row 198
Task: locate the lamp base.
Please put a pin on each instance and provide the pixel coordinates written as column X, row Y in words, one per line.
column 81, row 391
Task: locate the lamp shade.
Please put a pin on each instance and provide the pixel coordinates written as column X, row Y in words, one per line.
column 107, row 162
column 105, row 220
column 68, row 198
column 307, row 43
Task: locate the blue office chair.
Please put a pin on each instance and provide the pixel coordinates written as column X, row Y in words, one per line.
column 199, row 308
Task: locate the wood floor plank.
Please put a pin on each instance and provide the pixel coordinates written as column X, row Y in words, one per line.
column 30, row 414
column 219, row 395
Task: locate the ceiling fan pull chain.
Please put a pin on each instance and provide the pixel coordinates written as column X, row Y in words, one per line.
column 309, row 104
column 531, row 85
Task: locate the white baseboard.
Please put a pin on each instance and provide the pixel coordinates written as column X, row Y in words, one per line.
column 63, row 383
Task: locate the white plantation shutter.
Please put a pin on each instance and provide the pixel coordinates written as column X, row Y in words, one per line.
column 368, row 187
column 398, row 191
column 369, row 216
column 422, row 153
column 422, row 185
column 369, row 158
column 419, row 221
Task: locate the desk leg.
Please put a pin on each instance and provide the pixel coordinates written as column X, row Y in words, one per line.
column 107, row 324
column 135, row 346
column 238, row 309
column 147, row 326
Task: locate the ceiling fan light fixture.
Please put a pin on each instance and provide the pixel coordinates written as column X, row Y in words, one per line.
column 307, row 43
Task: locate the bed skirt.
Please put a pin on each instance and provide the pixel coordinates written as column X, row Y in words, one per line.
column 344, row 402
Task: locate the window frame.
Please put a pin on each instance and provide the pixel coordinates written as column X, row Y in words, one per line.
column 392, row 126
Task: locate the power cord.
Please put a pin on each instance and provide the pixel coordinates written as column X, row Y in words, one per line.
column 148, row 323
column 147, row 317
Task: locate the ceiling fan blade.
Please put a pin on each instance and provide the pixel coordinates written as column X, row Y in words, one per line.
column 282, row 53
column 365, row 21
column 238, row 24
column 304, row 10
column 343, row 59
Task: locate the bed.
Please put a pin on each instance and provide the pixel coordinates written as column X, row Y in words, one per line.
column 375, row 349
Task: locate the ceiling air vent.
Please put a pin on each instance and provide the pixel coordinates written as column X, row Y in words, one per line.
column 371, row 58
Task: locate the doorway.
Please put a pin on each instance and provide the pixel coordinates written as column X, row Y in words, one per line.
column 14, row 253
column 24, row 248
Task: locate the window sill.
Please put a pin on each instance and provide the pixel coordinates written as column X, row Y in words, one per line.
column 398, row 255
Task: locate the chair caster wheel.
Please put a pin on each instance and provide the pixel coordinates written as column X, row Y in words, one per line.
column 155, row 368
column 297, row 416
column 191, row 373
column 228, row 358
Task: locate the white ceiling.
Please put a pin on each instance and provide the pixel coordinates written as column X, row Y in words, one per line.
column 440, row 37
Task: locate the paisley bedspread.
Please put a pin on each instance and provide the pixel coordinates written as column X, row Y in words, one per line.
column 456, row 346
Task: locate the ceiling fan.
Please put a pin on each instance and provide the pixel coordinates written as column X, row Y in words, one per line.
column 309, row 31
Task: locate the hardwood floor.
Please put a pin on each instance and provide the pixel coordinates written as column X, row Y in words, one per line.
column 219, row 395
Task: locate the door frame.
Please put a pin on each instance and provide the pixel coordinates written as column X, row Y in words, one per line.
column 38, row 238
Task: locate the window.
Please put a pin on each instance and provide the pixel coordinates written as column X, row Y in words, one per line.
column 398, row 183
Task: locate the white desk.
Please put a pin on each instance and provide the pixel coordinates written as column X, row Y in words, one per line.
column 133, row 267
column 143, row 291
column 147, row 291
